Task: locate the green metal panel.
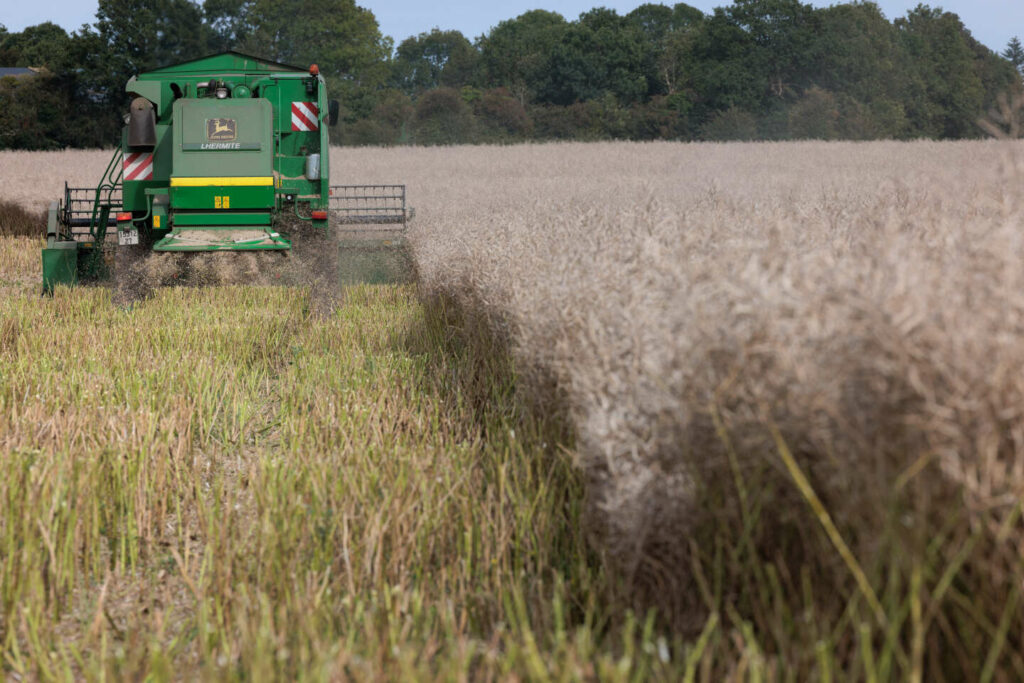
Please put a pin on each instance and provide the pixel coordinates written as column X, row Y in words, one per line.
column 324, row 192
column 290, row 167
column 230, row 62
column 224, row 238
column 228, row 218
column 157, row 92
column 293, row 146
column 60, row 264
column 221, row 197
column 222, row 138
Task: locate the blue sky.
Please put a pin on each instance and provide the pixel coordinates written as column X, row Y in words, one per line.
column 993, row 22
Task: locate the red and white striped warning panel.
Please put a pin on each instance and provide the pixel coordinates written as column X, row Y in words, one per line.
column 305, row 116
column 138, row 166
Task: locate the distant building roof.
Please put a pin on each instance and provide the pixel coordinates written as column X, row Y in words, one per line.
column 17, row 71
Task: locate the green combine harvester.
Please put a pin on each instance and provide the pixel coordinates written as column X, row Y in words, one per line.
column 225, row 153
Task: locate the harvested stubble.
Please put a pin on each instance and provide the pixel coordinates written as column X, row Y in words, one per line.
column 214, row 485
column 795, row 373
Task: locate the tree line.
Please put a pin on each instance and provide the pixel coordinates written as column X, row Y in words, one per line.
column 754, row 69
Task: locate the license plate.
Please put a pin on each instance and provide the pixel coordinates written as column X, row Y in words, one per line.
column 127, row 237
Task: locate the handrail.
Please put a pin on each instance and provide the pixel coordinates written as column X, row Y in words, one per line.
column 108, row 181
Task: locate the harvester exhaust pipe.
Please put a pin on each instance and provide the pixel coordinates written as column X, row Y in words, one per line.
column 141, row 123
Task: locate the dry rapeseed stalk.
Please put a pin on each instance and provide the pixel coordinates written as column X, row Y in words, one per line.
column 865, row 298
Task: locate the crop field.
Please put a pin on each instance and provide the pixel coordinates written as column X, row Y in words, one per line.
column 672, row 411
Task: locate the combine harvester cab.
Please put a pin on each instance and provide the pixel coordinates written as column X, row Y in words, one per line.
column 222, row 154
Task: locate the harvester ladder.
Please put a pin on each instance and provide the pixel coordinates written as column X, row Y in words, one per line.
column 88, row 212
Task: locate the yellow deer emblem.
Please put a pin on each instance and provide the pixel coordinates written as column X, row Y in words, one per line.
column 221, row 129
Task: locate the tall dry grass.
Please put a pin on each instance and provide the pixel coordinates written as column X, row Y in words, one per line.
column 34, row 179
column 795, row 373
column 16, row 221
column 795, row 376
column 214, row 484
column 20, row 263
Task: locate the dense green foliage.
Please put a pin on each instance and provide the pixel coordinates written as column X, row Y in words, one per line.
column 768, row 69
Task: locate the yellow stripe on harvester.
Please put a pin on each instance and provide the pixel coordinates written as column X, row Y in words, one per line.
column 224, row 181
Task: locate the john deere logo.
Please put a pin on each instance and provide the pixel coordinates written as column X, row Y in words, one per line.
column 221, row 130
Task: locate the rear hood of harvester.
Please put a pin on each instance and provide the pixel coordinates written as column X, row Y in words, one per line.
column 221, row 195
